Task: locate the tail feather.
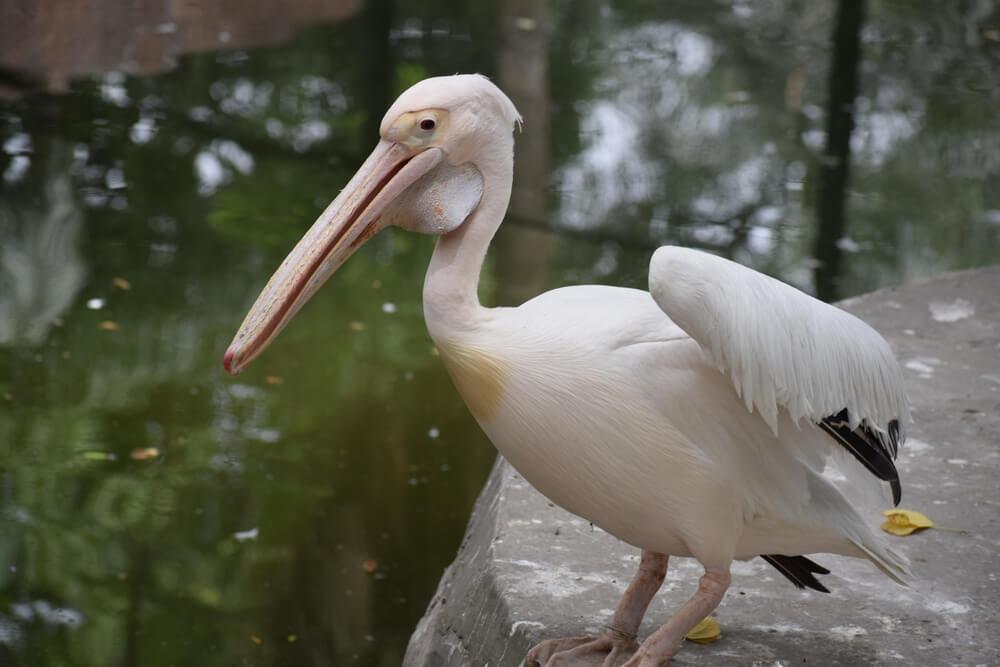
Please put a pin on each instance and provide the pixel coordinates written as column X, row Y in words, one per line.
column 862, row 537
column 893, row 564
column 799, row 570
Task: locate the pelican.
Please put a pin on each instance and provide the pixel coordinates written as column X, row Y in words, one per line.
column 694, row 420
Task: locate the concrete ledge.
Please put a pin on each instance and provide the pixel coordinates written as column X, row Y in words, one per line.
column 527, row 570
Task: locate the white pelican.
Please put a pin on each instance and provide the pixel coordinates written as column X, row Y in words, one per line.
column 691, row 420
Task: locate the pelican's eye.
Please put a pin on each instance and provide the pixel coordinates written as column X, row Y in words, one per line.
column 427, row 124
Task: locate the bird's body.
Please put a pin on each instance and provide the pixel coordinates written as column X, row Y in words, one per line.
column 691, row 420
column 596, row 388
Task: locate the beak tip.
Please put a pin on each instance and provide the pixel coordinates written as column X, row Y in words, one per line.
column 227, row 362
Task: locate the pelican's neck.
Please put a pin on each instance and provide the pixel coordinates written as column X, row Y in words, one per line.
column 451, row 298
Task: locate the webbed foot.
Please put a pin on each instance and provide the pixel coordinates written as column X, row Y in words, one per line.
column 611, row 648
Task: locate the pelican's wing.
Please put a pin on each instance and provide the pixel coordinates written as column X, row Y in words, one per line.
column 783, row 349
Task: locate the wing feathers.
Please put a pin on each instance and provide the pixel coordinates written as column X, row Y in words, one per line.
column 799, row 570
column 874, row 450
column 782, row 348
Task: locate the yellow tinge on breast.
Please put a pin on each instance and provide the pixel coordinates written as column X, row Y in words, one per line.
column 479, row 376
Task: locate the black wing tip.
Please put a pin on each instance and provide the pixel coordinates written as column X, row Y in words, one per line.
column 799, row 570
column 893, row 443
column 897, row 491
column 875, row 451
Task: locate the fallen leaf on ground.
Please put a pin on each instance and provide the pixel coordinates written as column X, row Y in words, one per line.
column 121, row 283
column 108, row 325
column 369, row 566
column 705, row 632
column 256, row 640
column 274, row 379
column 906, row 522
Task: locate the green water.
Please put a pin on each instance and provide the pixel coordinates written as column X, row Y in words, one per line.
column 301, row 513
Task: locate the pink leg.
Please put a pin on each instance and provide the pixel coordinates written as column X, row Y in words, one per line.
column 660, row 646
column 632, row 607
column 617, row 641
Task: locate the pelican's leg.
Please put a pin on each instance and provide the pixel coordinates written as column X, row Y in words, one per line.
column 617, row 641
column 660, row 646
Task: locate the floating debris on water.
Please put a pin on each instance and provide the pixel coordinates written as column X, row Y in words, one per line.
column 98, row 456
column 244, row 535
column 144, row 453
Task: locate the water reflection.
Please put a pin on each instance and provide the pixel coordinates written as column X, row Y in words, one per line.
column 47, row 45
column 835, row 160
column 522, row 253
column 41, row 268
column 302, row 513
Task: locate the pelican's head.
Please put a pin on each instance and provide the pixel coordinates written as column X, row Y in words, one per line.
column 426, row 175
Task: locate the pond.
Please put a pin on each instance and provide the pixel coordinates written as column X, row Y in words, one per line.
column 160, row 159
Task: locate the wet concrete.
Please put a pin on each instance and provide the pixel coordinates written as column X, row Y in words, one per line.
column 527, row 570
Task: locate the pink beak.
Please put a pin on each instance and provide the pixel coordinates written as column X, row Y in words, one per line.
column 353, row 217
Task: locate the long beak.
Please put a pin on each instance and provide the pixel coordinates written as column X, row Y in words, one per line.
column 352, row 218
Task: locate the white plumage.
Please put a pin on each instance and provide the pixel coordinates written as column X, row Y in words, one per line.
column 693, row 420
column 781, row 348
column 614, row 412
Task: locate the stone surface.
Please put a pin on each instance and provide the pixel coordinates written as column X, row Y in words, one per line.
column 527, row 570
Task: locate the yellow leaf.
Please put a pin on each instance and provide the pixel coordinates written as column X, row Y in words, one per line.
column 108, row 325
column 144, row 453
column 121, row 283
column 256, row 640
column 97, row 456
column 705, row 632
column 904, row 522
column 274, row 379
